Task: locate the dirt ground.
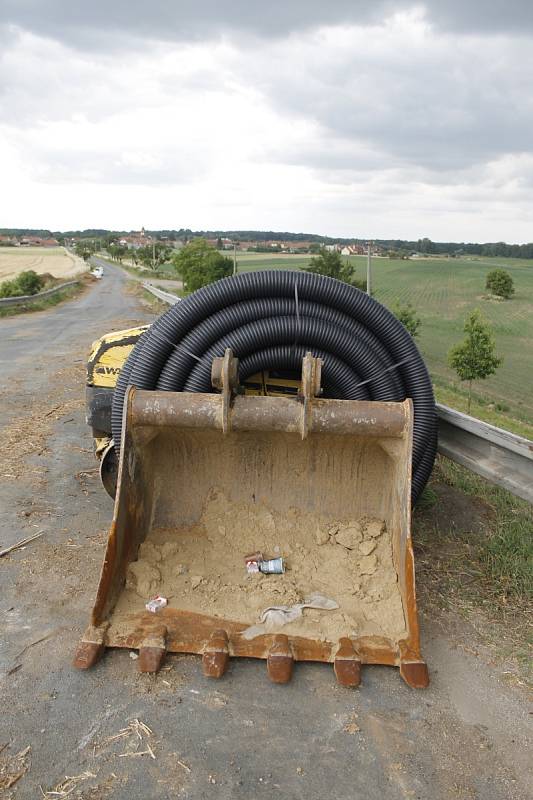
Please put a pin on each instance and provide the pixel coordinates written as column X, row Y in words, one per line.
column 114, row 733
column 53, row 260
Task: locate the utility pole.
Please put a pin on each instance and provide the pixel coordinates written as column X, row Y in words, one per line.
column 369, row 269
column 234, row 257
column 153, row 255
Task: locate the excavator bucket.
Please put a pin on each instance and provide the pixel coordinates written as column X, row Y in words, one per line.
column 266, row 527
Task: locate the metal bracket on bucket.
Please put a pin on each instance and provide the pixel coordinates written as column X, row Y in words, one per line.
column 311, row 379
column 225, row 376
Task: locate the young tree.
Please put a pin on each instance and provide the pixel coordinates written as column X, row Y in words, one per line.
column 199, row 264
column 475, row 358
column 117, row 252
column 154, row 255
column 500, row 283
column 330, row 263
column 409, row 318
column 83, row 250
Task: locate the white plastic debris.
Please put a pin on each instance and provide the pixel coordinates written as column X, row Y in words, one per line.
column 276, row 616
column 156, row 603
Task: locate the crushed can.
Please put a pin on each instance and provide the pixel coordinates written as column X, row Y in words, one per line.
column 272, row 566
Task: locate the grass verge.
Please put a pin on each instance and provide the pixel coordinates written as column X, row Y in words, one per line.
column 482, row 408
column 144, row 274
column 47, row 302
column 474, row 560
column 156, row 305
column 146, row 298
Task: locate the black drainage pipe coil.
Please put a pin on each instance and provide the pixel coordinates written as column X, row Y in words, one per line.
column 270, row 319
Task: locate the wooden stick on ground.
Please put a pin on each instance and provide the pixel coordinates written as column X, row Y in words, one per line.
column 20, row 544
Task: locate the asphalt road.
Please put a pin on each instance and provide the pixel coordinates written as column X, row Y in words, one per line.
column 465, row 737
column 27, row 338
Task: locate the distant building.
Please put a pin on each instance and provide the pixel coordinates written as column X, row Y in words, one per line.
column 37, row 241
column 353, row 250
column 135, row 240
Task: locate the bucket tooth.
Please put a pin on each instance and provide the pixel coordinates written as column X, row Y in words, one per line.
column 215, row 658
column 280, row 659
column 152, row 651
column 347, row 664
column 413, row 669
column 415, row 673
column 88, row 654
column 91, row 647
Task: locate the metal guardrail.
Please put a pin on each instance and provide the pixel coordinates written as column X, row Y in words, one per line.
column 498, row 455
column 166, row 297
column 503, row 458
column 33, row 298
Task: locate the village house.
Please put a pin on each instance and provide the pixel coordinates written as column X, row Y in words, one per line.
column 37, row 241
column 135, row 240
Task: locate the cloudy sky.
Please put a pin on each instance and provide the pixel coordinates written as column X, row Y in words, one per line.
column 347, row 118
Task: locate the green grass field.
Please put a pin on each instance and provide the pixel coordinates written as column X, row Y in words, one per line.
column 443, row 291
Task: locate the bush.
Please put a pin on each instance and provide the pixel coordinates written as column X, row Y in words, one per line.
column 409, row 318
column 26, row 283
column 330, row 263
column 8, row 289
column 200, row 264
column 29, row 282
column 501, row 407
column 500, row 283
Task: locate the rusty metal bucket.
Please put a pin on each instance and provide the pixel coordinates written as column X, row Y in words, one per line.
column 204, row 479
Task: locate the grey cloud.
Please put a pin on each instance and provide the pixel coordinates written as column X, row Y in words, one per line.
column 109, row 25
column 436, row 111
column 439, row 108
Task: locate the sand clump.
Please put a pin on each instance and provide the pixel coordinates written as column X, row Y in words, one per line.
column 201, row 568
column 143, row 578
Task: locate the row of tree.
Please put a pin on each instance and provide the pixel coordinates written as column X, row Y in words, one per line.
column 402, row 248
column 152, row 256
column 397, row 247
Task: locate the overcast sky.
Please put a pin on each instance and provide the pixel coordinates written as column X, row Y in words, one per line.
column 347, row 118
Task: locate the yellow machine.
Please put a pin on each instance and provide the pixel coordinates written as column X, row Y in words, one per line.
column 108, row 355
column 106, row 359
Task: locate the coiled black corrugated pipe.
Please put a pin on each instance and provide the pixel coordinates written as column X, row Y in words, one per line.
column 270, row 319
